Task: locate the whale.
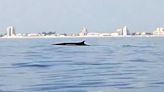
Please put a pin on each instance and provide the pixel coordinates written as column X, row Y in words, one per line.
column 73, row 44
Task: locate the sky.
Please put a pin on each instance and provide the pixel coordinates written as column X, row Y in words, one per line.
column 69, row 16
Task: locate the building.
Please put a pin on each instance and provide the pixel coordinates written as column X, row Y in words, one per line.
column 159, row 31
column 125, row 31
column 105, row 34
column 120, row 31
column 93, row 34
column 114, row 34
column 33, row 34
column 11, row 31
column 146, row 33
column 83, row 32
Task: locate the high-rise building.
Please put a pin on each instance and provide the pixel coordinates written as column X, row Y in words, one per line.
column 83, row 32
column 11, row 31
column 125, row 31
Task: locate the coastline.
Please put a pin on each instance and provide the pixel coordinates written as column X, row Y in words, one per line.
column 47, row 37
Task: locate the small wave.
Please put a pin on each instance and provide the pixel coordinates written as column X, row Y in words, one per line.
column 31, row 52
column 119, row 84
column 139, row 60
column 91, row 83
column 96, row 63
column 129, row 46
column 8, row 91
column 137, row 46
column 31, row 65
column 158, row 83
column 127, row 87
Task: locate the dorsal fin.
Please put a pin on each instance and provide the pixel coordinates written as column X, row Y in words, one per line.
column 82, row 41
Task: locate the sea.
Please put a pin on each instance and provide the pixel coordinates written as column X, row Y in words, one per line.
column 109, row 64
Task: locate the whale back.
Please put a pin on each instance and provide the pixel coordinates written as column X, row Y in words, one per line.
column 74, row 44
column 82, row 43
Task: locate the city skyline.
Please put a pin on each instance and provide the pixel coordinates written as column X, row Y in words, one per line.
column 68, row 16
column 84, row 32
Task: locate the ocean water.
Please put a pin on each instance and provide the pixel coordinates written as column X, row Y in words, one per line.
column 108, row 65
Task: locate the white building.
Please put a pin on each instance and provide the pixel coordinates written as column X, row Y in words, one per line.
column 33, row 34
column 125, row 31
column 11, row 31
column 120, row 31
column 159, row 31
column 83, row 32
column 105, row 34
column 93, row 34
column 114, row 34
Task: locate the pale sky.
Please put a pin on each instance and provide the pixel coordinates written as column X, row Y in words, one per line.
column 69, row 16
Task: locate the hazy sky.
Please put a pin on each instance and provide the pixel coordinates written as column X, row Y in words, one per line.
column 69, row 16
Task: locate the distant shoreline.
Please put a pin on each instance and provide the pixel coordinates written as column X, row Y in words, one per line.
column 47, row 37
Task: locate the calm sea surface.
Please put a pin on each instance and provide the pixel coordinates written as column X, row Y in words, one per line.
column 108, row 65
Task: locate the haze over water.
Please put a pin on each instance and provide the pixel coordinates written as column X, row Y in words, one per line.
column 108, row 65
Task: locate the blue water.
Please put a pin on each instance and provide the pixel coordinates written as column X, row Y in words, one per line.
column 108, row 65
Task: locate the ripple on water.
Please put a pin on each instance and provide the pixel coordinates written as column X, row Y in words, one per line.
column 140, row 60
column 157, row 83
column 137, row 46
column 31, row 65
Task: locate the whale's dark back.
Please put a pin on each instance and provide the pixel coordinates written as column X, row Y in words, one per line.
column 75, row 44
